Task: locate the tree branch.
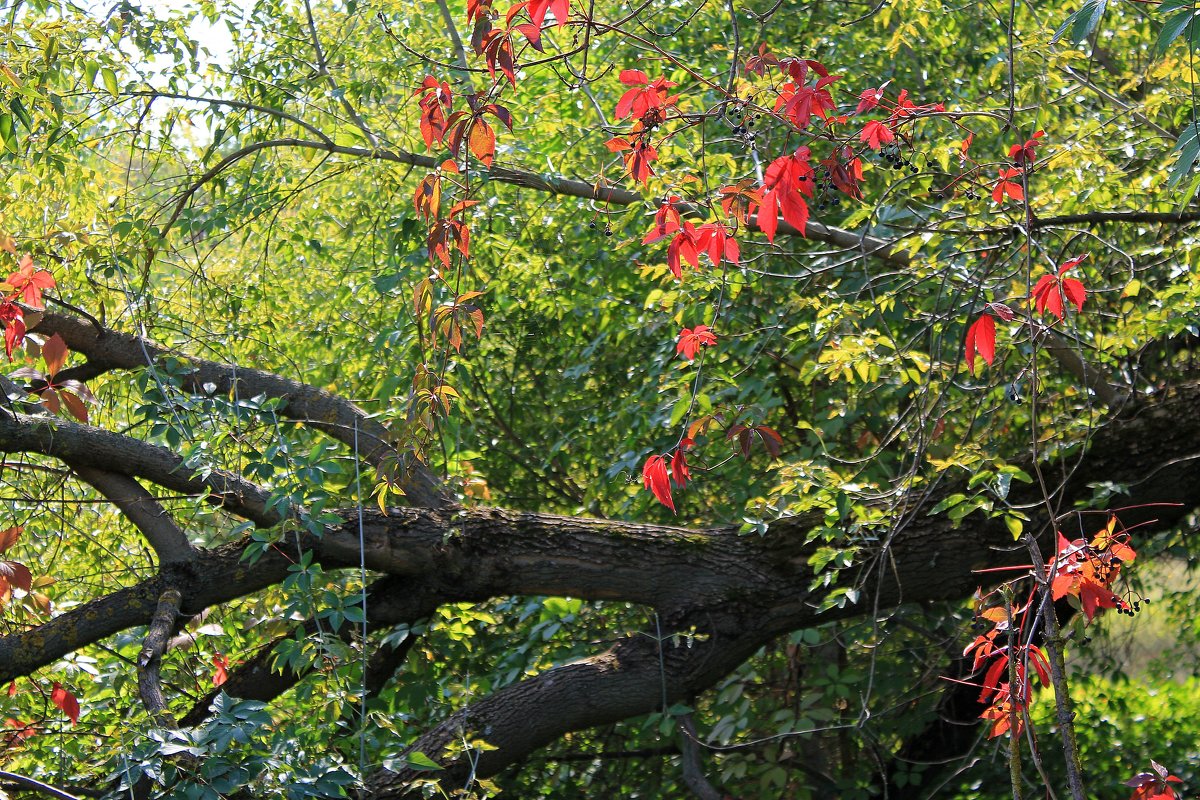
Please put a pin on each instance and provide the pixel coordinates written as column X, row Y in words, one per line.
column 162, row 624
column 337, row 417
column 82, row 446
column 140, row 507
column 391, row 601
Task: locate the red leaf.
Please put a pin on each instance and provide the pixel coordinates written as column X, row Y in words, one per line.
column 644, row 96
column 1074, row 292
column 75, row 406
column 1045, row 293
column 680, row 473
column 14, row 326
column 1002, row 311
column 690, row 341
column 654, row 476
column 981, row 339
column 9, row 536
column 65, row 701
column 1026, row 153
column 868, row 100
column 683, row 248
column 15, row 574
column 30, row 282
column 220, row 675
column 787, row 179
column 483, row 142
column 1008, row 187
column 876, row 134
column 991, row 681
column 54, row 353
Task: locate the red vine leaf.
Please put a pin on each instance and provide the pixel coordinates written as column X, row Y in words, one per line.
column 654, row 476
column 691, row 340
column 66, row 702
column 30, row 282
column 1049, row 291
column 787, row 180
column 220, row 674
column 1025, row 153
column 981, row 339
column 876, row 134
column 1008, row 186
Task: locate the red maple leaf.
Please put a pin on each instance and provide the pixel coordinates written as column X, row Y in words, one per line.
column 30, row 282
column 1049, row 291
column 435, row 104
column 692, row 339
column 654, row 476
column 1008, row 186
column 561, row 9
column 66, row 702
column 876, row 134
column 981, row 339
column 787, row 180
column 1026, row 153
column 645, row 95
column 638, row 154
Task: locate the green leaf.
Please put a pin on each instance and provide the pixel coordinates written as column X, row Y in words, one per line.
column 1082, row 22
column 1171, row 30
column 1189, row 151
column 948, row 502
column 421, row 762
column 110, row 80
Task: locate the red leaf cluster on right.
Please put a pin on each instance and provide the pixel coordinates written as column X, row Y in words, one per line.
column 1087, row 571
column 1154, row 785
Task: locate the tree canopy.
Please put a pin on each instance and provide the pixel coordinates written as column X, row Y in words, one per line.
column 570, row 399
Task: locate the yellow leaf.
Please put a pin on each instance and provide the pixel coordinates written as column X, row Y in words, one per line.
column 1014, row 526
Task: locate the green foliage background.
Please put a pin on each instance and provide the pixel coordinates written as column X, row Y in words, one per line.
column 303, row 262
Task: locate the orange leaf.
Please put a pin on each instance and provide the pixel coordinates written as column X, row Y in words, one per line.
column 9, row 536
column 54, row 353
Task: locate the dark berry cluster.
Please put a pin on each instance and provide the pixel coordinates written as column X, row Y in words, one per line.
column 895, row 158
column 1129, row 609
column 827, row 196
